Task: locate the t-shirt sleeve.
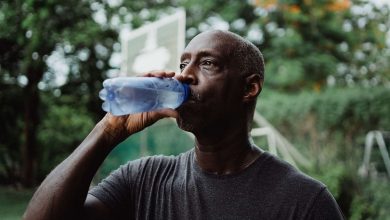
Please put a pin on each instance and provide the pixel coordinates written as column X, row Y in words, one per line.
column 325, row 207
column 115, row 191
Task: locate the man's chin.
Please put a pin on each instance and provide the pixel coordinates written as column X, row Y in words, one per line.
column 189, row 117
column 189, row 127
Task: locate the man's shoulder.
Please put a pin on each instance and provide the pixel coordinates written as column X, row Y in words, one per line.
column 287, row 186
column 160, row 161
column 288, row 176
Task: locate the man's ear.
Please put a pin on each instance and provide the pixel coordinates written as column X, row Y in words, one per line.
column 254, row 85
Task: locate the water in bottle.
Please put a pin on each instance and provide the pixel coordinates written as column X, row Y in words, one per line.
column 128, row 95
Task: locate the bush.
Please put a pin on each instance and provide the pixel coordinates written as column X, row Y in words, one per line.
column 372, row 202
column 352, row 111
column 62, row 129
column 330, row 127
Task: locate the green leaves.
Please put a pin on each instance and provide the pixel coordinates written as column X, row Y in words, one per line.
column 366, row 109
column 62, row 129
column 312, row 34
column 284, row 73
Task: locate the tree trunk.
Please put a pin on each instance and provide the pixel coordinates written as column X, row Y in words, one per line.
column 30, row 148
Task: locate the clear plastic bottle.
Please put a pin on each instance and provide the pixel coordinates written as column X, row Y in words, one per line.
column 128, row 95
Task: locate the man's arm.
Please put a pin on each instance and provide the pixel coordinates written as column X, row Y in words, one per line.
column 63, row 192
column 62, row 195
column 325, row 207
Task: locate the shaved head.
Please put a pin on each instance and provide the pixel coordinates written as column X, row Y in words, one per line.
column 244, row 54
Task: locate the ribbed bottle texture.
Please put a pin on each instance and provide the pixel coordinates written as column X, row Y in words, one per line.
column 128, row 95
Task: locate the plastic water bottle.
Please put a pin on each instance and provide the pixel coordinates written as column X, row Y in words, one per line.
column 128, row 95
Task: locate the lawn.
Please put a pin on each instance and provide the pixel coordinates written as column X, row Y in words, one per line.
column 13, row 202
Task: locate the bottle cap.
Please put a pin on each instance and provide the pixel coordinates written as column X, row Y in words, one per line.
column 186, row 91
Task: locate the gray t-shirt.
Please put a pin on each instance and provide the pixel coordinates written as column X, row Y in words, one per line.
column 175, row 187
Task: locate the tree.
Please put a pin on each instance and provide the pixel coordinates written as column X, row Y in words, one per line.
column 40, row 40
column 311, row 44
column 30, row 33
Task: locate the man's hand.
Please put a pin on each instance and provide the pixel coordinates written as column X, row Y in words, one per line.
column 118, row 128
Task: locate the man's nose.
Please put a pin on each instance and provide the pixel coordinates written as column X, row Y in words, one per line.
column 188, row 75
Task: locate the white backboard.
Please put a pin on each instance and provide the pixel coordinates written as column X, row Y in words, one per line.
column 155, row 46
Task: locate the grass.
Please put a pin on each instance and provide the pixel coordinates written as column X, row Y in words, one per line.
column 13, row 202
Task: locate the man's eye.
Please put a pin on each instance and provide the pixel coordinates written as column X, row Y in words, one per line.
column 207, row 63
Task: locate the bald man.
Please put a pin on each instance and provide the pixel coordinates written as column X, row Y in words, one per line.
column 225, row 176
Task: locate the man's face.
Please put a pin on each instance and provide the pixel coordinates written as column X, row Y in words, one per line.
column 216, row 86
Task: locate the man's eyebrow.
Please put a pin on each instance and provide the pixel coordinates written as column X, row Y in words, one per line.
column 185, row 56
column 201, row 53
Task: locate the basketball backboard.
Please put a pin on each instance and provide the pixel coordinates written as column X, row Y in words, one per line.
column 155, row 46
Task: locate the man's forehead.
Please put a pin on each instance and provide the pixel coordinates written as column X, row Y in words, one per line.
column 205, row 52
column 210, row 43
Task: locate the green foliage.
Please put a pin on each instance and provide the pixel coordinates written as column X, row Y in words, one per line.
column 13, row 202
column 373, row 201
column 62, row 129
column 287, row 72
column 10, row 135
column 202, row 15
column 33, row 34
column 325, row 43
column 352, row 111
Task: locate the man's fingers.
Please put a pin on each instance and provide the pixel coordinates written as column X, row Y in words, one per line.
column 179, row 78
column 159, row 73
column 139, row 121
column 165, row 113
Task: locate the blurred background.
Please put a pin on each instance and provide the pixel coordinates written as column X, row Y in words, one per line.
column 325, row 106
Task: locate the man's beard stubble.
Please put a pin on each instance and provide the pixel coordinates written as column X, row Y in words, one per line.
column 189, row 112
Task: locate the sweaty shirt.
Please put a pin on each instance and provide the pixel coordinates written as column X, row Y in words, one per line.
column 175, row 187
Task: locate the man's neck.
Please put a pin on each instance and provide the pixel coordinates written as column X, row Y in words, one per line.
column 232, row 154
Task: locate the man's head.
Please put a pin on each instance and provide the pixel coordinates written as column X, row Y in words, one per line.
column 225, row 73
column 248, row 57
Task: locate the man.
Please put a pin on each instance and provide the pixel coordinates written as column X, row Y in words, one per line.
column 225, row 176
